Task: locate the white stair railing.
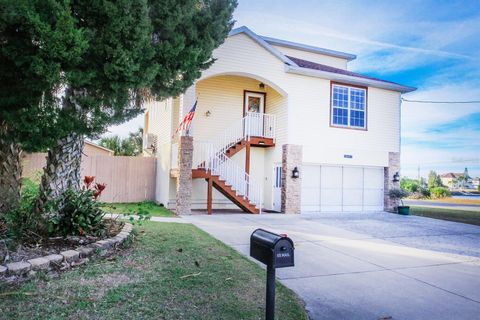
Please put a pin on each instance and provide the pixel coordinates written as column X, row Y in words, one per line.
column 207, row 156
column 211, row 155
column 252, row 125
column 236, row 177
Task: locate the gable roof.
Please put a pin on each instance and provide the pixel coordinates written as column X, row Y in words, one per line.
column 308, row 68
column 262, row 43
column 98, row 146
column 451, row 175
column 321, row 67
column 305, row 47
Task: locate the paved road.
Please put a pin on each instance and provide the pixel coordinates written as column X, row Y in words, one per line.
column 439, row 204
column 370, row 266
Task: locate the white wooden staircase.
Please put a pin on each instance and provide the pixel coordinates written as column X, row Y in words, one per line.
column 212, row 161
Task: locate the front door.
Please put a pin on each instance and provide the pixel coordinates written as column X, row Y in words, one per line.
column 254, row 108
column 277, row 188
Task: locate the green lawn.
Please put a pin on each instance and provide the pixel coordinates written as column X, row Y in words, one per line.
column 470, row 217
column 132, row 208
column 172, row 271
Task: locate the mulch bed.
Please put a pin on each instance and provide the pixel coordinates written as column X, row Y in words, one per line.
column 26, row 251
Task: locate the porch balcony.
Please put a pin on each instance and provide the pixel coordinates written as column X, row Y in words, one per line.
column 258, row 129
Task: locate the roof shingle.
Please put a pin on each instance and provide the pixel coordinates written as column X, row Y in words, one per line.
column 321, row 67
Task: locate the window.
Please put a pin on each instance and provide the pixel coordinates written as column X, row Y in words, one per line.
column 348, row 107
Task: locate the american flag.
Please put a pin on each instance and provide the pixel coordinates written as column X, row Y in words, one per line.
column 187, row 120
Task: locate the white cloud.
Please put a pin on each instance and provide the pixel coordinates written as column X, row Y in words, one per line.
column 441, row 151
column 386, row 37
column 418, row 116
column 425, row 158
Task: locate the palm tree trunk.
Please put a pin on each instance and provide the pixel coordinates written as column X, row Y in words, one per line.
column 62, row 170
column 10, row 172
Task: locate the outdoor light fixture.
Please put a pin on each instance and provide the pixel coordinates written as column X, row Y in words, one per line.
column 295, row 173
column 208, row 113
column 396, row 177
column 261, row 85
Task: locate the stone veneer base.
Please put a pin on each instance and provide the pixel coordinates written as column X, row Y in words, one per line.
column 25, row 268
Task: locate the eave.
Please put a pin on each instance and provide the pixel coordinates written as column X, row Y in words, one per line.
column 349, row 79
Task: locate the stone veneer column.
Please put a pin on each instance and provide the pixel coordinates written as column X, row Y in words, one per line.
column 291, row 188
column 184, row 180
column 388, row 184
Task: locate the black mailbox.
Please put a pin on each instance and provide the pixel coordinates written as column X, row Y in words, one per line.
column 276, row 251
column 272, row 249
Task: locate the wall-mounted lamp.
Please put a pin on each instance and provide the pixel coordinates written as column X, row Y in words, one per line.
column 208, row 113
column 295, row 173
column 396, row 177
column 261, row 86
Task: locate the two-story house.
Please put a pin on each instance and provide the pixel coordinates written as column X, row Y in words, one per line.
column 279, row 126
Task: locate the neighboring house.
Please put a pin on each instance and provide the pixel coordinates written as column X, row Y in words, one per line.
column 91, row 148
column 33, row 162
column 270, row 110
column 476, row 182
column 450, row 179
column 456, row 181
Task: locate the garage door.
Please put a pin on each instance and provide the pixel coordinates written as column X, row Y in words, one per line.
column 336, row 188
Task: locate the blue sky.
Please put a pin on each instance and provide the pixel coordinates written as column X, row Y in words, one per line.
column 432, row 45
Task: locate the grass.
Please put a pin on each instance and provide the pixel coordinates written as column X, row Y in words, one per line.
column 132, row 208
column 464, row 216
column 171, row 271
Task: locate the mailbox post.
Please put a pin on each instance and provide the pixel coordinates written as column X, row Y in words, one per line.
column 275, row 251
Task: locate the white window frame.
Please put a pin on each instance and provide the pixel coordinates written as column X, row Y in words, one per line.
column 349, row 108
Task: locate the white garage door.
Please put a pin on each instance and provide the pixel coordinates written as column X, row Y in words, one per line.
column 335, row 188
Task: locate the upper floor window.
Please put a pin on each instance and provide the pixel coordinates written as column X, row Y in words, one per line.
column 348, row 106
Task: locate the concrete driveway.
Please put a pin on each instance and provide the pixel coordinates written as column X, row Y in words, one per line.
column 370, row 266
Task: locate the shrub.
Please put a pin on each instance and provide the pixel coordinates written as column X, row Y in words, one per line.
column 439, row 192
column 425, row 192
column 398, row 194
column 75, row 213
column 416, row 195
column 409, row 185
column 22, row 222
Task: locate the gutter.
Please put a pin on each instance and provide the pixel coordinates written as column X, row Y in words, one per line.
column 348, row 79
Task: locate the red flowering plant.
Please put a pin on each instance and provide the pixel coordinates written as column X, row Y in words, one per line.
column 88, row 180
column 77, row 212
column 95, row 187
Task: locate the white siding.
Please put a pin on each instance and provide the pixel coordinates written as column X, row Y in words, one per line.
column 159, row 120
column 310, row 126
column 314, row 57
column 302, row 106
column 241, row 55
column 223, row 97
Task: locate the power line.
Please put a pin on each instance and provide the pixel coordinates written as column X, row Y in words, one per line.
column 450, row 102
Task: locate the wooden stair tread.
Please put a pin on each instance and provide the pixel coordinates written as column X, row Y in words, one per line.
column 230, row 193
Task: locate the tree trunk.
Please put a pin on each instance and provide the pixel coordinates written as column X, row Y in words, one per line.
column 10, row 172
column 62, row 170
